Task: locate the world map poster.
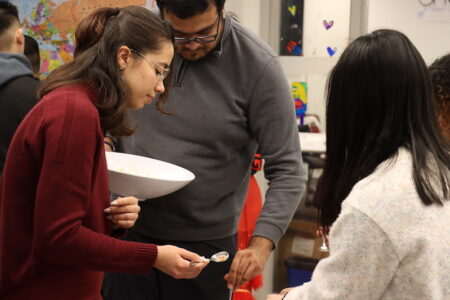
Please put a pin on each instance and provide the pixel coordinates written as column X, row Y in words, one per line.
column 52, row 23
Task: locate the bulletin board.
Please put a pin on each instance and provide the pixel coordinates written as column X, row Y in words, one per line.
column 52, row 23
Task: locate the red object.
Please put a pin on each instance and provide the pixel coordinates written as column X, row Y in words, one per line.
column 257, row 164
column 53, row 231
column 247, row 223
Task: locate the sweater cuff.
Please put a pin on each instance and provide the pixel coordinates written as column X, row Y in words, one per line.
column 268, row 231
column 145, row 257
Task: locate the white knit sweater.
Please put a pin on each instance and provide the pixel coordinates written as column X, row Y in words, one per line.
column 385, row 244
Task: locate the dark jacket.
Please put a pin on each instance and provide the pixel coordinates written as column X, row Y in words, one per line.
column 18, row 90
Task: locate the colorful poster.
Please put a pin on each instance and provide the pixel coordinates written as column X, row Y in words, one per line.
column 52, row 23
column 291, row 27
column 299, row 92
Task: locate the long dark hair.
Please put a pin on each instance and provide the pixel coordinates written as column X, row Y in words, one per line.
column 99, row 36
column 379, row 99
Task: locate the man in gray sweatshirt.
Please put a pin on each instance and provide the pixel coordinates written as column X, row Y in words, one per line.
column 17, row 85
column 228, row 97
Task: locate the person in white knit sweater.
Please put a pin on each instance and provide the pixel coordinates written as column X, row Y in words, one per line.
column 386, row 183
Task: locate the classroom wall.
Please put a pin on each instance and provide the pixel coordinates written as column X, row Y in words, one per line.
column 248, row 11
column 425, row 22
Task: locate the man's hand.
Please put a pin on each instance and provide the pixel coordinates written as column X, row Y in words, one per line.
column 176, row 262
column 123, row 212
column 249, row 262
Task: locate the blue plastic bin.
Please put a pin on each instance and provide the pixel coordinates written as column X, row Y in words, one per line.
column 299, row 269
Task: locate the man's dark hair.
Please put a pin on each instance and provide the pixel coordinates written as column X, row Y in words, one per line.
column 32, row 53
column 185, row 9
column 440, row 76
column 8, row 15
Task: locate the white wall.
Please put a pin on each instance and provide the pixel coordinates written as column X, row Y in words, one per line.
column 314, row 66
column 248, row 12
column 427, row 27
column 316, row 38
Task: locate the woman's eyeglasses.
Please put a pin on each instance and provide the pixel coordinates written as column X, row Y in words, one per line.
column 161, row 74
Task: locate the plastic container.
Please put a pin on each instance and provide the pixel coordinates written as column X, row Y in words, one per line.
column 299, row 269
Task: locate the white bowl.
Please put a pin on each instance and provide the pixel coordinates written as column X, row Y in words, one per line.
column 143, row 177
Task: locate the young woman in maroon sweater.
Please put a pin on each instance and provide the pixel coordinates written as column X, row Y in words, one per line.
column 54, row 201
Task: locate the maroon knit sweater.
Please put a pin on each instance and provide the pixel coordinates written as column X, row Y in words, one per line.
column 54, row 241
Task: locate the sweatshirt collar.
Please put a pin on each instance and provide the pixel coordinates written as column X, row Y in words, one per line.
column 217, row 52
column 13, row 65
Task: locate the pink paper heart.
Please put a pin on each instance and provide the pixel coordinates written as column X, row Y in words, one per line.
column 328, row 24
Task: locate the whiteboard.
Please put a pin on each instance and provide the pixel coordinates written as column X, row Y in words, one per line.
column 425, row 22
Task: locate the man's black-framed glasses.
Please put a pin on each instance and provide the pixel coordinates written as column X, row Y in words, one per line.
column 200, row 39
column 161, row 74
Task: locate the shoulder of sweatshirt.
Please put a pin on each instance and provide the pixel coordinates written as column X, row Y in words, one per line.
column 249, row 42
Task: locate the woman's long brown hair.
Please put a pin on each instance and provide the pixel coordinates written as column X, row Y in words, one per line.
column 98, row 38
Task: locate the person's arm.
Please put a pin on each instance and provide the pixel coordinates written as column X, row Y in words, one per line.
column 361, row 264
column 63, row 197
column 63, row 202
column 271, row 116
column 273, row 122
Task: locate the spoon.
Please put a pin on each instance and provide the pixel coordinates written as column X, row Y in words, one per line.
column 217, row 257
column 230, row 297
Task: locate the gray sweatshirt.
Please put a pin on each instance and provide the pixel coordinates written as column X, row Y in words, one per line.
column 13, row 65
column 225, row 106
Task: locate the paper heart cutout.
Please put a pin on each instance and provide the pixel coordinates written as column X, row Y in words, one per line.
column 331, row 51
column 328, row 24
column 292, row 9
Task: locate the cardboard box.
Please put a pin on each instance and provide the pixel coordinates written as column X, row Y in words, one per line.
column 300, row 240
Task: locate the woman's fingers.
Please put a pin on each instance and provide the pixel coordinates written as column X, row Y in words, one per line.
column 124, row 223
column 123, row 209
column 125, row 201
column 123, row 212
column 124, row 205
column 124, row 217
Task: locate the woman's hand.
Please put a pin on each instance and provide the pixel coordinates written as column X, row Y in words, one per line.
column 274, row 297
column 278, row 296
column 176, row 261
column 123, row 212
